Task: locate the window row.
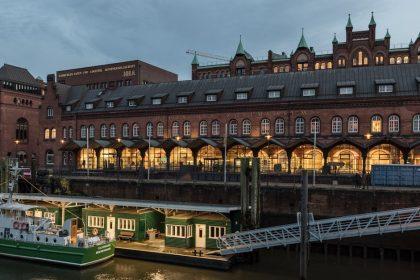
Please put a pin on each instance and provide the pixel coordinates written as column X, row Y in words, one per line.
column 178, row 231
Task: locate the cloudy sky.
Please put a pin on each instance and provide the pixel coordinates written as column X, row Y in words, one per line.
column 49, row 35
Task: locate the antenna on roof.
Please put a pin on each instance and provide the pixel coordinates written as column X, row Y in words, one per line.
column 207, row 55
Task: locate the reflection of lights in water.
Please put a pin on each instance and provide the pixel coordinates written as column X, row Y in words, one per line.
column 158, row 275
column 106, row 276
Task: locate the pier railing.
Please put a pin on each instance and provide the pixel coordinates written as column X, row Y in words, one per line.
column 376, row 223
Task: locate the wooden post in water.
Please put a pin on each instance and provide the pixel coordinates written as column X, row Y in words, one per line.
column 244, row 180
column 255, row 193
column 303, row 254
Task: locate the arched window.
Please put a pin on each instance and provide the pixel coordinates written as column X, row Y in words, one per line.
column 203, row 128
column 175, row 129
column 49, row 157
column 70, row 132
column 376, row 124
column 302, row 62
column 416, row 123
column 341, row 62
column 91, row 131
column 187, row 128
column 50, row 112
column 135, row 130
column 315, row 125
column 83, row 132
column 360, row 59
column 379, row 59
column 64, row 132
column 240, row 68
column 53, row 133
column 125, row 130
column 104, row 131
column 149, row 129
column 265, row 127
column 317, row 66
column 233, row 127
column 405, row 59
column 215, row 128
column 329, row 64
column 112, row 131
column 336, row 125
column 393, row 124
column 22, row 129
column 300, row 126
column 353, row 124
column 246, row 127
column 392, row 60
column 399, row 60
column 159, row 129
column 47, row 133
column 279, row 126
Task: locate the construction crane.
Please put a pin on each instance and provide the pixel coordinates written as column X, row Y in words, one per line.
column 207, row 55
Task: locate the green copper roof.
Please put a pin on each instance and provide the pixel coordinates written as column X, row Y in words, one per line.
column 240, row 49
column 387, row 35
column 349, row 23
column 302, row 42
column 372, row 20
column 335, row 41
column 195, row 60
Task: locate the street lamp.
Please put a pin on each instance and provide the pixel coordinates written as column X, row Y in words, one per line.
column 178, row 138
column 268, row 137
column 368, row 136
column 62, row 141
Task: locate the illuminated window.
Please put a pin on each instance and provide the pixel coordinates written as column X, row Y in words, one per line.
column 47, row 133
column 279, row 126
column 104, row 131
column 302, row 62
column 159, row 129
column 392, row 60
column 246, row 127
column 341, row 62
column 379, row 59
column 175, row 129
column 203, row 128
column 265, row 127
column 360, row 59
column 405, row 59
column 215, row 128
column 300, row 126
column 233, row 127
column 376, row 124
column 187, row 128
column 329, row 65
column 393, row 124
column 315, row 125
column 336, row 125
column 317, row 66
column 416, row 123
column 399, row 60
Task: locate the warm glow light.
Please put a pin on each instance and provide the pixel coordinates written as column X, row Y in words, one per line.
column 268, row 137
column 178, row 138
column 368, row 136
column 62, row 141
column 119, row 139
column 16, row 142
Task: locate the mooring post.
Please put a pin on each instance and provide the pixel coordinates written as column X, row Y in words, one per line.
column 303, row 253
column 255, row 193
column 244, row 181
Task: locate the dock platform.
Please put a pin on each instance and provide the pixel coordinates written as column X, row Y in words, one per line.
column 156, row 251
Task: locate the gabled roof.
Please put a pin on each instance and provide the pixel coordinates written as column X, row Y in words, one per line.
column 17, row 74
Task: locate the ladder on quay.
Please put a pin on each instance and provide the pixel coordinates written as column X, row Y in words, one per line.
column 376, row 223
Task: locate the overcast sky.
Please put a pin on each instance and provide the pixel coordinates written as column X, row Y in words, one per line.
column 46, row 36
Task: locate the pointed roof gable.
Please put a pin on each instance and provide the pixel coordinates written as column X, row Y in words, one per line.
column 349, row 24
column 372, row 20
column 240, row 49
column 387, row 35
column 302, row 42
column 335, row 41
column 195, row 60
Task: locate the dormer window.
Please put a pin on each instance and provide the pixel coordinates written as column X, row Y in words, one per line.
column 309, row 89
column 89, row 106
column 110, row 104
column 385, row 86
column 241, row 95
column 68, row 108
column 211, row 97
column 275, row 91
column 157, row 101
column 132, row 103
column 308, row 92
column 182, row 99
column 346, row 87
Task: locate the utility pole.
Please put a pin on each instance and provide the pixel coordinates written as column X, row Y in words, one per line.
column 304, row 233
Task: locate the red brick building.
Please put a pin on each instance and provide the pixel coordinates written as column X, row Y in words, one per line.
column 360, row 116
column 113, row 75
column 20, row 99
column 359, row 49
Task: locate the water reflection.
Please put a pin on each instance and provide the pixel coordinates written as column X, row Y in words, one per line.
column 274, row 264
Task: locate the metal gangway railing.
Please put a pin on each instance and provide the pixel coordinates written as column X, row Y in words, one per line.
column 327, row 229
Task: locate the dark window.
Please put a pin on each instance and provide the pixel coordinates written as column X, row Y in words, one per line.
column 22, row 129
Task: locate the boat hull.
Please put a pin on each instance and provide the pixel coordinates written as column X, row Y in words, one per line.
column 64, row 255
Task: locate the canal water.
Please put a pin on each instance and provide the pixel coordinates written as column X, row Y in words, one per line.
column 273, row 264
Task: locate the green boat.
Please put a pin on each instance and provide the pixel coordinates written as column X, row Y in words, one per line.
column 27, row 236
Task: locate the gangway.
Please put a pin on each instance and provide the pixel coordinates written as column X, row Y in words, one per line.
column 326, row 229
